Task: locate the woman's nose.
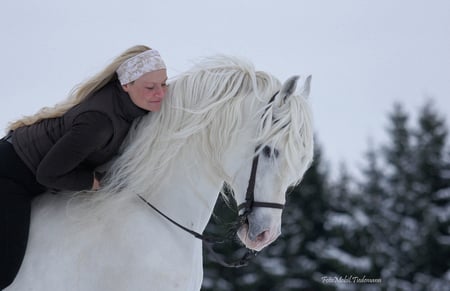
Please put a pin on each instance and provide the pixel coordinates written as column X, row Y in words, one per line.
column 160, row 92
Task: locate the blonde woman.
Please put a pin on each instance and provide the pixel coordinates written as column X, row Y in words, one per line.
column 59, row 147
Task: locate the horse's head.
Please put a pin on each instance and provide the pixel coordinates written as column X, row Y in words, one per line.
column 283, row 152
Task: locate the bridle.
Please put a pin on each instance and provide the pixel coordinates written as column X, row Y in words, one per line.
column 247, row 208
column 250, row 194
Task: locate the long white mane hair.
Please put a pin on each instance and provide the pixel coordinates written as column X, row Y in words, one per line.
column 204, row 111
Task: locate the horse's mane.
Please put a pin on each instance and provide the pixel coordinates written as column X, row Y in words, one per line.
column 204, row 109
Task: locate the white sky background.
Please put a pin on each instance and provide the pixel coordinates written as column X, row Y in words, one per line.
column 363, row 55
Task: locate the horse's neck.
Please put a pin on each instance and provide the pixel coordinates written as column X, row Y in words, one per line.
column 190, row 191
column 188, row 196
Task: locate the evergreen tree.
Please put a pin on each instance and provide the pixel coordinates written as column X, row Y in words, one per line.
column 373, row 201
column 399, row 227
column 304, row 235
column 346, row 224
column 406, row 197
column 432, row 241
column 399, row 154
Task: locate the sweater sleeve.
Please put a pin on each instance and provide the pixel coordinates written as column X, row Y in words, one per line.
column 62, row 167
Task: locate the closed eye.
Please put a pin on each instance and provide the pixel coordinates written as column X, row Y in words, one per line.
column 163, row 85
column 268, row 152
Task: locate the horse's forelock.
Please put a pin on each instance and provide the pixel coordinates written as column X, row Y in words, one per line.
column 289, row 126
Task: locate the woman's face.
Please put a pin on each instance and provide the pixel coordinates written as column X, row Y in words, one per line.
column 149, row 90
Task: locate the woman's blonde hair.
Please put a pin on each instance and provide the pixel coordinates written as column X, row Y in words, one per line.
column 81, row 91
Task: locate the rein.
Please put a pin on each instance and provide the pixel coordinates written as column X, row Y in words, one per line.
column 208, row 241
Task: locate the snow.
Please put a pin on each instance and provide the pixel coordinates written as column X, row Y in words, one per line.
column 273, row 266
column 249, row 279
column 443, row 239
column 362, row 264
column 343, row 220
column 348, row 221
column 442, row 194
column 361, row 217
column 442, row 213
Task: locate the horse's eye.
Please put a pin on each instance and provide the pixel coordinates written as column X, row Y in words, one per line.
column 268, row 152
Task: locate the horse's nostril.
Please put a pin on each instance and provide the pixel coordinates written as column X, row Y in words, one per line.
column 262, row 236
column 259, row 237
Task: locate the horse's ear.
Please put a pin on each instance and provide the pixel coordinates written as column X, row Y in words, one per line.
column 287, row 89
column 306, row 87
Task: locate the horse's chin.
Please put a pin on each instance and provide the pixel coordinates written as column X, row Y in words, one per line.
column 257, row 240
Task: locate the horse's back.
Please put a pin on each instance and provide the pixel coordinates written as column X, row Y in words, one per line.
column 136, row 252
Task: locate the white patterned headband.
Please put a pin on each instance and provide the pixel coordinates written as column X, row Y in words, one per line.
column 133, row 68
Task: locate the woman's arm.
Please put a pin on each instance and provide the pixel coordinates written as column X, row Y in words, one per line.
column 62, row 167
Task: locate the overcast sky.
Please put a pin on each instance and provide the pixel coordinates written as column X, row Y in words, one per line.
column 363, row 55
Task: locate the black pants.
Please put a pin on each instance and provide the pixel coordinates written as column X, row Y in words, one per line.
column 18, row 186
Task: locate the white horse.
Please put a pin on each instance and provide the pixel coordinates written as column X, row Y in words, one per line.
column 213, row 119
